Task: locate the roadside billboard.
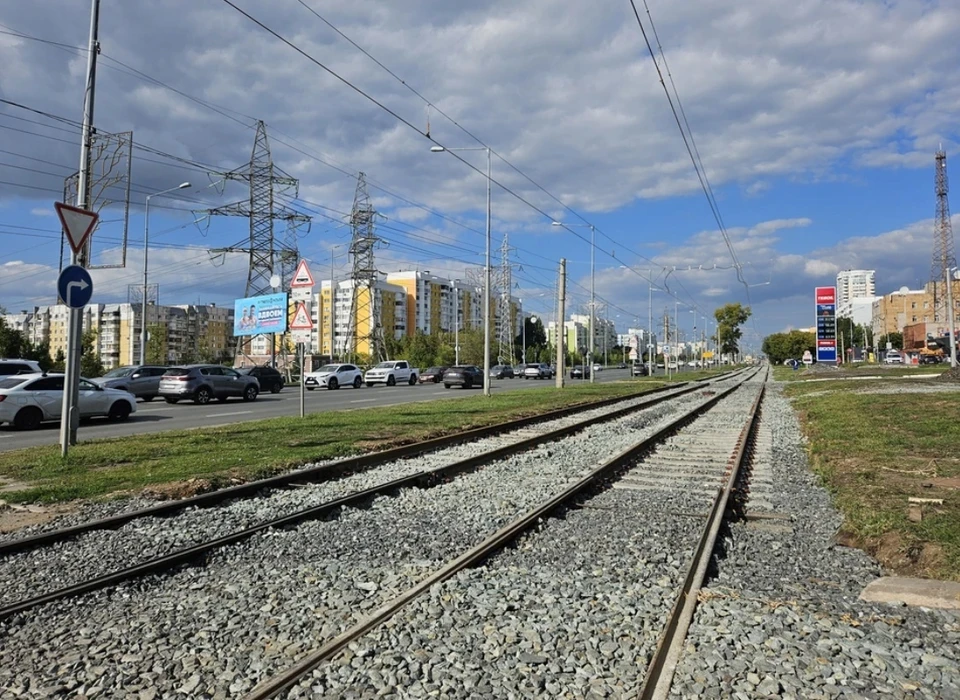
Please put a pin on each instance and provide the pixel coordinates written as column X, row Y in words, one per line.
column 825, row 303
column 258, row 315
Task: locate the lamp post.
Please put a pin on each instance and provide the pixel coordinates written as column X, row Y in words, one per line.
column 146, row 245
column 593, row 308
column 950, row 317
column 456, row 322
column 486, row 271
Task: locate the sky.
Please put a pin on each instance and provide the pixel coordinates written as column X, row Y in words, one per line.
column 816, row 122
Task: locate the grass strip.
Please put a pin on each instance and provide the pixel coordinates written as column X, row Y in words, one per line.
column 787, row 374
column 260, row 448
column 874, row 451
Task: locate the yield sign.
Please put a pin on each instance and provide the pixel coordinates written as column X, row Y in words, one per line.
column 301, row 319
column 302, row 277
column 77, row 223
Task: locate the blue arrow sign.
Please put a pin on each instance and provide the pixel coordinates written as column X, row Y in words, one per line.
column 75, row 286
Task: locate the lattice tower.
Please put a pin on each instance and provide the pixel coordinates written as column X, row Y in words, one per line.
column 365, row 323
column 506, row 353
column 944, row 256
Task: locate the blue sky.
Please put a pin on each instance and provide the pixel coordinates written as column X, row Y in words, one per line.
column 817, row 123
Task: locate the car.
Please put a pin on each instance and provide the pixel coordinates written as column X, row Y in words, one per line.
column 893, row 358
column 143, row 381
column 8, row 367
column 269, row 377
column 537, row 371
column 432, row 375
column 622, row 365
column 334, row 377
column 201, row 383
column 27, row 400
column 692, row 363
column 502, row 372
column 391, row 373
column 580, row 372
column 639, row 370
column 929, row 360
column 660, row 365
column 597, row 367
column 466, row 376
column 672, row 365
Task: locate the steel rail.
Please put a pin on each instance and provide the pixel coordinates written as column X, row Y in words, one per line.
column 325, row 472
column 424, row 479
column 495, row 542
column 663, row 664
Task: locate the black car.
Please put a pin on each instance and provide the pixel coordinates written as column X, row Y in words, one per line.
column 929, row 360
column 466, row 376
column 270, row 379
column 622, row 365
column 639, row 370
column 581, row 372
column 501, row 372
column 434, row 375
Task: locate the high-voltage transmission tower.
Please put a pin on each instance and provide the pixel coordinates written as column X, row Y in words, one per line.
column 506, row 353
column 944, row 256
column 365, row 323
column 267, row 182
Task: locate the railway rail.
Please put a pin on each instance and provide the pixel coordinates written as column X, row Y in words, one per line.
column 73, row 577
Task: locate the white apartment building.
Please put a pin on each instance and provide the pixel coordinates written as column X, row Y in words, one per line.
column 604, row 331
column 855, row 284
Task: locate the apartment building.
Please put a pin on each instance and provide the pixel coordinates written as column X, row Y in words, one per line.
column 855, row 284
column 893, row 312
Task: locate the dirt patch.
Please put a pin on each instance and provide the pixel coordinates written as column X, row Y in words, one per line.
column 14, row 517
column 8, row 485
column 177, row 490
column 896, row 555
column 951, row 375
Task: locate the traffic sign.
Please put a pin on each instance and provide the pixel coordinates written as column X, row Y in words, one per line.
column 77, row 224
column 302, row 277
column 75, row 286
column 301, row 319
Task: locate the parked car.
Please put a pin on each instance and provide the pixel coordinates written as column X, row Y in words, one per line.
column 639, row 370
column 27, row 400
column 672, row 365
column 391, row 373
column 8, row 367
column 597, row 367
column 333, row 377
column 466, row 376
column 622, row 365
column 929, row 360
column 893, row 358
column 502, row 372
column 432, row 375
column 580, row 372
column 201, row 383
column 269, row 377
column 143, row 381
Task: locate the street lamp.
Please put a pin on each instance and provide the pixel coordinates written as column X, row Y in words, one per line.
column 486, row 271
column 950, row 317
column 456, row 322
column 146, row 243
column 593, row 308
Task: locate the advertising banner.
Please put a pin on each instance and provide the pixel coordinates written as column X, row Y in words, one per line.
column 257, row 315
column 825, row 303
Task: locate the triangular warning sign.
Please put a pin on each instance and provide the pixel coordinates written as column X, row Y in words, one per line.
column 302, row 277
column 77, row 223
column 301, row 319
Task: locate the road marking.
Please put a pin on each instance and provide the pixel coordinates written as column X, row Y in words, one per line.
column 221, row 415
column 364, row 400
column 6, row 436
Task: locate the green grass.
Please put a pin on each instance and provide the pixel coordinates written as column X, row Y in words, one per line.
column 787, row 374
column 873, row 452
column 255, row 449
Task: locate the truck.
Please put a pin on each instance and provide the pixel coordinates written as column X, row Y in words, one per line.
column 391, row 373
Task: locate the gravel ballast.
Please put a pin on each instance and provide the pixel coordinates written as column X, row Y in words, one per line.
column 219, row 629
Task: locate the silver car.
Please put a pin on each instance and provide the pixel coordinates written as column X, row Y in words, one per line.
column 201, row 383
column 27, row 400
column 143, row 381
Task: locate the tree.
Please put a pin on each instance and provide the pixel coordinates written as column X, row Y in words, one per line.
column 156, row 344
column 895, row 339
column 11, row 341
column 59, row 362
column 785, row 346
column 90, row 364
column 421, row 350
column 729, row 319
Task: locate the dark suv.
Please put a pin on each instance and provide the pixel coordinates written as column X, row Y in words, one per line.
column 204, row 382
column 270, row 379
column 8, row 367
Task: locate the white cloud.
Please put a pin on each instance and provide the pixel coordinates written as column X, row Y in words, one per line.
column 42, row 212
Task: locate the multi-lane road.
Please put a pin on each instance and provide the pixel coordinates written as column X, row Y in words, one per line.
column 158, row 415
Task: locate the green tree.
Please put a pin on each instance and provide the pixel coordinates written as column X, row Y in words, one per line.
column 422, row 350
column 784, row 346
column 59, row 361
column 156, row 344
column 729, row 319
column 12, row 342
column 895, row 339
column 90, row 364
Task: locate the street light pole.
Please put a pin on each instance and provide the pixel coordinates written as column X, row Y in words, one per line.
column 650, row 343
column 593, row 303
column 486, row 272
column 146, row 247
column 950, row 319
column 456, row 322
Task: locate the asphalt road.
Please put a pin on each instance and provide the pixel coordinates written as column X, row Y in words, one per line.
column 158, row 415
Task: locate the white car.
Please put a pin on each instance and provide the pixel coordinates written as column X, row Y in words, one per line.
column 334, row 377
column 893, row 358
column 391, row 373
column 27, row 400
column 598, row 368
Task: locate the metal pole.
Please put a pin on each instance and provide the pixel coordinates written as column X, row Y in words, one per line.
column 676, row 329
column 143, row 307
column 70, row 416
column 561, row 329
column 333, row 312
column 456, row 321
column 666, row 340
column 523, row 333
column 302, row 347
column 486, row 296
column 593, row 306
column 650, row 343
column 950, row 319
